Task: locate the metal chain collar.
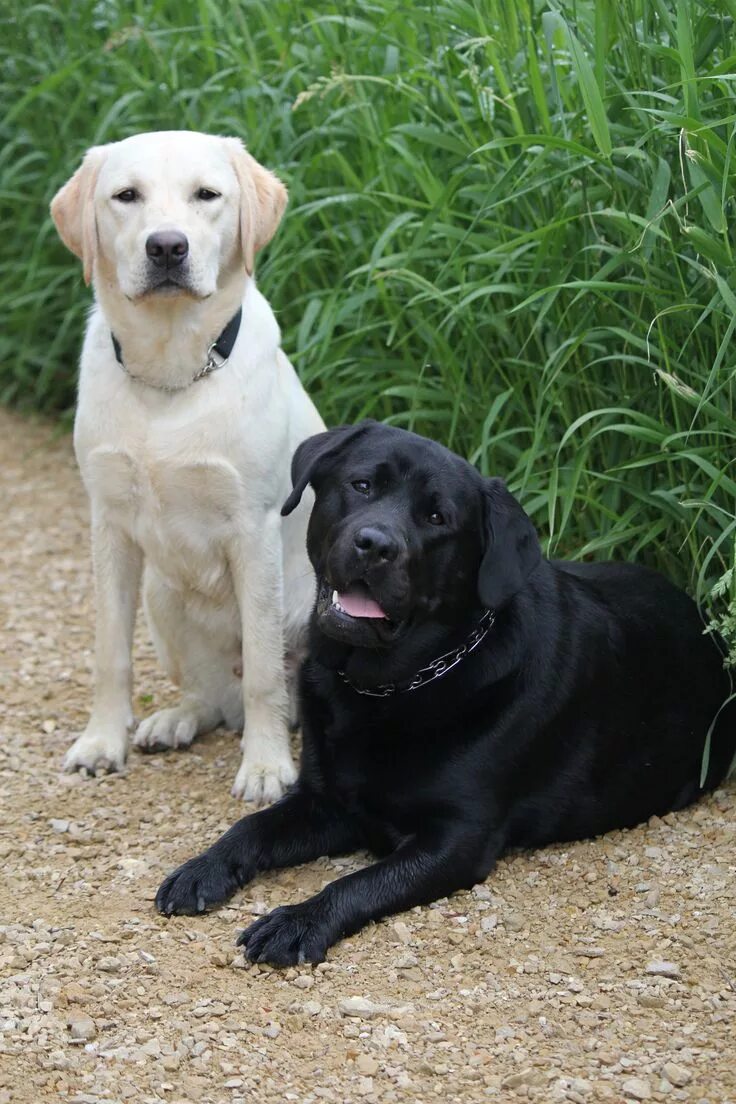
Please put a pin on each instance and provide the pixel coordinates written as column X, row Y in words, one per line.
column 438, row 668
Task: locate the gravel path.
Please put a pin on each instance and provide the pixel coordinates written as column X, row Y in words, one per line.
column 599, row 971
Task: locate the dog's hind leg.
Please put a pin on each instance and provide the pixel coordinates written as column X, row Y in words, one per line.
column 203, row 669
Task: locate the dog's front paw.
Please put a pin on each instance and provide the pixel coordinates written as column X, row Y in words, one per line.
column 264, row 782
column 99, row 748
column 289, row 935
column 168, row 728
column 201, row 882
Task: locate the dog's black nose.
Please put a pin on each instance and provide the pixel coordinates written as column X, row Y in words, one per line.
column 375, row 544
column 167, row 248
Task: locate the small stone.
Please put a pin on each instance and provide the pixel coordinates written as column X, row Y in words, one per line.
column 660, row 968
column 676, row 1075
column 272, row 1030
column 488, row 923
column 514, row 922
column 49, row 727
column 523, row 1077
column 109, row 964
column 312, row 1008
column 304, row 981
column 636, row 1088
column 82, row 1028
column 59, row 826
column 651, row 1000
column 366, row 1064
column 403, row 933
column 360, row 1007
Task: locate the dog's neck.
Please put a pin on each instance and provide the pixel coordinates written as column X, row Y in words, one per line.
column 164, row 341
column 366, row 668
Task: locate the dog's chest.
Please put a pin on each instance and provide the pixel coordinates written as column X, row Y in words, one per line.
column 382, row 777
column 179, row 509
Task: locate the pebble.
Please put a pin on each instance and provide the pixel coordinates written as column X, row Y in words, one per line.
column 676, row 1075
column 660, row 968
column 402, row 932
column 82, row 1028
column 366, row 1064
column 109, row 964
column 636, row 1088
column 360, row 1007
column 514, row 1080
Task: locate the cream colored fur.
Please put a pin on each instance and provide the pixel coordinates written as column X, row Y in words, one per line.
column 185, row 486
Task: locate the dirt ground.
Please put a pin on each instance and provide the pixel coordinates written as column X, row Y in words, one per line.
column 600, row 971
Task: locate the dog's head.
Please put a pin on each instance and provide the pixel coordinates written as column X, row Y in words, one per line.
column 168, row 213
column 404, row 532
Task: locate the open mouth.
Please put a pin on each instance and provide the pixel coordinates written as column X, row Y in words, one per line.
column 354, row 615
column 357, row 601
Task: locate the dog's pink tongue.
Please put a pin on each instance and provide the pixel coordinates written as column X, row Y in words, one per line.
column 358, row 605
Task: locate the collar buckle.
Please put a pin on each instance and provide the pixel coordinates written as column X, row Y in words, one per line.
column 215, row 360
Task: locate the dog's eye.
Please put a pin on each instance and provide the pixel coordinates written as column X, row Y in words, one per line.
column 436, row 518
column 362, row 486
column 128, row 195
column 207, row 194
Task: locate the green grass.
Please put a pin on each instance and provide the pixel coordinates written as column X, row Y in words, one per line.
column 510, row 228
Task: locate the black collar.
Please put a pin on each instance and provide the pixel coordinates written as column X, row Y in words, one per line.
column 217, row 355
column 438, row 668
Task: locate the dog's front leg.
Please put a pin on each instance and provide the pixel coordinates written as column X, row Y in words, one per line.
column 117, row 564
column 419, row 871
column 257, row 566
column 298, row 828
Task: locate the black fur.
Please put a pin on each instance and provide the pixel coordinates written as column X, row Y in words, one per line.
column 585, row 708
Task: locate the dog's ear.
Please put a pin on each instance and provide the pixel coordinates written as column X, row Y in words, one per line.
column 262, row 202
column 314, row 452
column 512, row 547
column 73, row 211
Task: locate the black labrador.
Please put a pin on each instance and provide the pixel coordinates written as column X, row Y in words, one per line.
column 462, row 695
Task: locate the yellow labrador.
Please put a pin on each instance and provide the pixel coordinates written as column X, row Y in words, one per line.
column 188, row 415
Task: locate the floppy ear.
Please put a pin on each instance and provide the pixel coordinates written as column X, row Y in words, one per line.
column 262, row 202
column 512, row 549
column 312, row 454
column 73, row 211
